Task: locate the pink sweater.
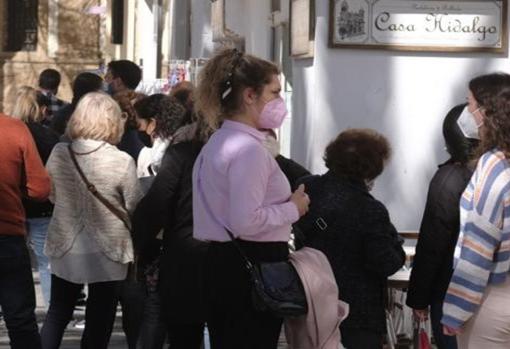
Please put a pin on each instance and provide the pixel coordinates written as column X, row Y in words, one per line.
column 243, row 187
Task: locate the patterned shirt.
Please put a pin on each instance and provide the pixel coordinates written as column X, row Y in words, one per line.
column 482, row 254
column 55, row 103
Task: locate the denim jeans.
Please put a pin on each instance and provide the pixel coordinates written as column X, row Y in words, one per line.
column 152, row 332
column 442, row 341
column 99, row 313
column 37, row 230
column 17, row 294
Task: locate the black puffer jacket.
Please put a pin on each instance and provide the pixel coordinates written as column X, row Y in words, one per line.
column 360, row 242
column 168, row 206
column 433, row 263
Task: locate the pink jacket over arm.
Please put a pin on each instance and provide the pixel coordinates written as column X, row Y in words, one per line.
column 319, row 328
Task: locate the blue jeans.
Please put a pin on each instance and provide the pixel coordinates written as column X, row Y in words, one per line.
column 17, row 294
column 442, row 341
column 37, row 231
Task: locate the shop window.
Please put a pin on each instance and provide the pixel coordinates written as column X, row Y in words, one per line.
column 21, row 25
column 117, row 21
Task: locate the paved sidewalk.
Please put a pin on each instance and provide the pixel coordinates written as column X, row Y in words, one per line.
column 74, row 331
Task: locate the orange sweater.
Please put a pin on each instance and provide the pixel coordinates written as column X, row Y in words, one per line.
column 22, row 174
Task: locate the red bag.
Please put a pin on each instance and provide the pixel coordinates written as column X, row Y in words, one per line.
column 424, row 342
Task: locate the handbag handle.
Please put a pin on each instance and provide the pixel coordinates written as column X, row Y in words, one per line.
column 92, row 188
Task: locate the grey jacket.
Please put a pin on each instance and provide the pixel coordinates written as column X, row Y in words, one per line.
column 113, row 172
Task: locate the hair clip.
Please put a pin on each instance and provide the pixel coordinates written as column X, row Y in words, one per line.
column 228, row 82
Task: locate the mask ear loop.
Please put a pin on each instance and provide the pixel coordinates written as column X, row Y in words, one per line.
column 479, row 109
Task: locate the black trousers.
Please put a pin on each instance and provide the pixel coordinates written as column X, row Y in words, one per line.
column 17, row 295
column 361, row 339
column 99, row 313
column 233, row 322
column 132, row 296
column 182, row 336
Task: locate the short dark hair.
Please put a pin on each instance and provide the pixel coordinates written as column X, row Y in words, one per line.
column 49, row 79
column 127, row 71
column 358, row 154
column 84, row 83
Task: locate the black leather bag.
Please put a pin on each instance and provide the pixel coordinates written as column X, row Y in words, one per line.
column 276, row 287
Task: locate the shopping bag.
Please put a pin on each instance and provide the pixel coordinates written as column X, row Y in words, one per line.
column 424, row 342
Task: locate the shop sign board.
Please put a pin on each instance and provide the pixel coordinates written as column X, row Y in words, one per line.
column 419, row 25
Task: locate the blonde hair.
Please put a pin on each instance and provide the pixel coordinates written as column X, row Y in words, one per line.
column 223, row 79
column 26, row 107
column 97, row 116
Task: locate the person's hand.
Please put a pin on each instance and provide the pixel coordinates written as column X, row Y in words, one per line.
column 421, row 314
column 300, row 199
column 450, row 331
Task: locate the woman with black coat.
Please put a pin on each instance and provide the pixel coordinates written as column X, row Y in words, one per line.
column 168, row 206
column 355, row 232
column 439, row 230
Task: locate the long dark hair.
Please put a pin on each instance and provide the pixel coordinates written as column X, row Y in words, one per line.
column 492, row 92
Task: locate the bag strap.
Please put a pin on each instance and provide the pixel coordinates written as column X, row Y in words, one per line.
column 92, row 188
column 245, row 258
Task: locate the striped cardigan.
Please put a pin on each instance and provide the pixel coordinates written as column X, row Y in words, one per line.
column 482, row 254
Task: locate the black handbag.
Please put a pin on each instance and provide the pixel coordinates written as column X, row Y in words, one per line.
column 275, row 286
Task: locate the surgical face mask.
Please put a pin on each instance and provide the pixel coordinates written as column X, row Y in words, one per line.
column 107, row 88
column 467, row 124
column 273, row 114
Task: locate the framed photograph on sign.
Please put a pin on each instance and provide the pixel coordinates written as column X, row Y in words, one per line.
column 302, row 28
column 419, row 25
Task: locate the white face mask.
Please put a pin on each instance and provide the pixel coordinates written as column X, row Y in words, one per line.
column 467, row 124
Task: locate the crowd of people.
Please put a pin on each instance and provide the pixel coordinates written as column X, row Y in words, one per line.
column 156, row 202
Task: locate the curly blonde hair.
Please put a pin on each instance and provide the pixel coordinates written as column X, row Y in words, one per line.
column 230, row 69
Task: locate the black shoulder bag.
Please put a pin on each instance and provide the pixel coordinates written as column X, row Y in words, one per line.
column 276, row 286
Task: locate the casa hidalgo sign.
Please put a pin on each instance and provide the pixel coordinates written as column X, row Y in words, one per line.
column 458, row 25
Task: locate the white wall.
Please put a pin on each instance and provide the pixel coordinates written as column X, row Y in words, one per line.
column 403, row 95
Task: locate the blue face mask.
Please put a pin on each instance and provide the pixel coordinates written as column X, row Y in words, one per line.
column 108, row 88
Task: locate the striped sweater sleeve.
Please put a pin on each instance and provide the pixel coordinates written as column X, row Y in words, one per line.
column 482, row 209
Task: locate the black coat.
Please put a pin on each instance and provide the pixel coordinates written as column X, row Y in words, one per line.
column 168, row 206
column 292, row 170
column 359, row 241
column 45, row 139
column 439, row 230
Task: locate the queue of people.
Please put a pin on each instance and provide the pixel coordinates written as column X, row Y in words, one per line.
column 158, row 202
